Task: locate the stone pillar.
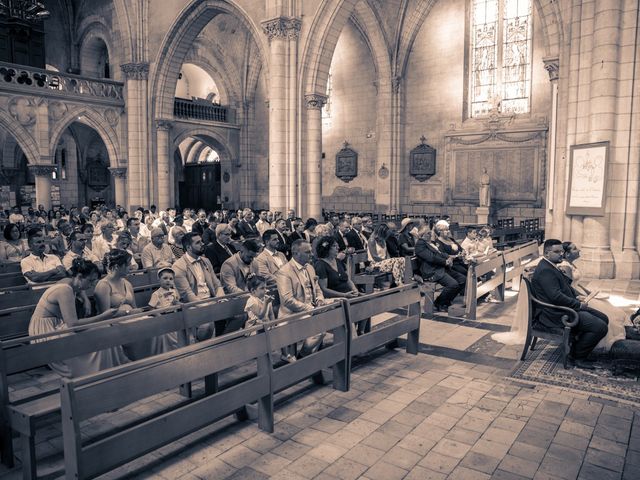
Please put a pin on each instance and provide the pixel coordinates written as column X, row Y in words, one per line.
column 552, row 65
column 396, row 142
column 119, row 175
column 140, row 178
column 283, row 34
column 43, row 183
column 312, row 173
column 163, row 139
column 597, row 258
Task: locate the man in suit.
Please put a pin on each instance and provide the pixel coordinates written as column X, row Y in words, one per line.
column 291, row 216
column 355, row 237
column 284, row 245
column 263, row 224
column 235, row 270
column 200, row 225
column 196, row 280
column 270, row 260
column 393, row 245
column 299, row 290
column 550, row 285
column 435, row 266
column 246, row 227
column 340, row 235
column 221, row 249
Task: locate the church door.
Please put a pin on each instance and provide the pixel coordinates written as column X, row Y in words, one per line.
column 201, row 187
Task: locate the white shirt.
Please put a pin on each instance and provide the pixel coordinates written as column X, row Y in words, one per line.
column 33, row 263
column 276, row 258
column 86, row 254
column 202, row 287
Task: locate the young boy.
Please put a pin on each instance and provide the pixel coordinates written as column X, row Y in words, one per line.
column 166, row 295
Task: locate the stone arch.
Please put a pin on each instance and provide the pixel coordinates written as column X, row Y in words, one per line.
column 24, row 139
column 207, row 135
column 93, row 34
column 218, row 71
column 124, row 30
column 178, row 41
column 92, row 119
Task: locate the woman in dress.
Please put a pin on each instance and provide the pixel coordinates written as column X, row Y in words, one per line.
column 406, row 241
column 56, row 311
column 617, row 317
column 332, row 271
column 12, row 248
column 379, row 256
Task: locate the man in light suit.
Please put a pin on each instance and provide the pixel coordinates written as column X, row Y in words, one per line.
column 299, row 290
column 270, row 260
column 196, row 280
column 236, row 269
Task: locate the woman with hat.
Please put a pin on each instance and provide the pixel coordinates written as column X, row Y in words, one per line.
column 406, row 241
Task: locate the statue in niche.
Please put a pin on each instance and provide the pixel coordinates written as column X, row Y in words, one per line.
column 485, row 189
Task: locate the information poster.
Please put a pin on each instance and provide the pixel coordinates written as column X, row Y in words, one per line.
column 27, row 195
column 588, row 179
column 55, row 196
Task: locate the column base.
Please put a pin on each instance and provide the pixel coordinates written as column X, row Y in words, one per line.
column 482, row 215
column 627, row 264
column 597, row 262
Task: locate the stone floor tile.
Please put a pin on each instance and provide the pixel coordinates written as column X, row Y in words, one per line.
column 307, row 466
column 248, row 473
column 310, row 436
column 408, row 418
column 492, row 449
column 473, row 423
column 346, row 469
column 604, row 459
column 463, row 435
column 621, row 412
column 385, row 471
column 509, row 424
column 584, row 412
column 610, row 446
column 239, row 456
column 391, row 406
column 417, row 444
column 421, row 473
column 593, row 472
column 301, row 420
column 326, row 476
column 565, row 453
column 430, row 430
column 440, row 420
column 421, row 408
column 631, row 472
column 262, row 442
column 284, row 431
column 632, row 458
column 463, row 473
column 364, row 454
column 327, row 452
column 451, row 410
column 502, row 475
column 380, row 441
column 394, row 428
column 519, row 466
column 344, row 414
column 329, row 425
column 291, row 450
column 345, row 438
column 559, row 468
column 480, row 462
column 439, row 463
column 402, row 458
column 499, row 435
column 215, row 468
column 362, row 427
column 549, row 408
column 569, row 440
column 535, row 437
column 451, row 448
column 612, row 432
column 576, row 428
column 270, row 464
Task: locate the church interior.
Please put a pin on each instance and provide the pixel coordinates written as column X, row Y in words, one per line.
column 519, row 115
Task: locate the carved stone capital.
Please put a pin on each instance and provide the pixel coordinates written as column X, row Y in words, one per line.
column 135, row 71
column 282, row 27
column 164, row 125
column 118, row 172
column 315, row 101
column 42, row 170
column 552, row 66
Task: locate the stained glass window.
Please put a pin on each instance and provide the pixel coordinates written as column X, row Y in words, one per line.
column 500, row 77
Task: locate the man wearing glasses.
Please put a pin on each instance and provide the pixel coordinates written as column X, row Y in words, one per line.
column 157, row 252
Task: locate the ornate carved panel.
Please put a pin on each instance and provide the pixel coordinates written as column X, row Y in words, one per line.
column 422, row 161
column 346, row 163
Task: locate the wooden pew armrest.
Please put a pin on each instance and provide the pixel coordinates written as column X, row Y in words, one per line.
column 570, row 313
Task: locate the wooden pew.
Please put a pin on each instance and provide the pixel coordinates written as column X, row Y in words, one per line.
column 362, row 308
column 365, row 280
column 10, row 267
column 295, row 328
column 12, row 279
column 516, row 260
column 19, row 355
column 89, row 396
column 473, row 291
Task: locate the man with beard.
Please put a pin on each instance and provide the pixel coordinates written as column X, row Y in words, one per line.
column 235, row 270
column 40, row 267
column 196, row 280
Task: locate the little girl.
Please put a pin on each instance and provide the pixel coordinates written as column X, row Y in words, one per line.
column 167, row 294
column 258, row 308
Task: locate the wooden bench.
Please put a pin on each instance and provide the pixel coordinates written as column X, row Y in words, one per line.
column 19, row 355
column 85, row 398
column 363, row 308
column 569, row 320
column 474, row 290
column 517, row 259
column 365, row 280
column 12, row 279
column 10, row 267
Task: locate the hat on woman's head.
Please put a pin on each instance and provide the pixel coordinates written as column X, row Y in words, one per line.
column 442, row 223
column 405, row 222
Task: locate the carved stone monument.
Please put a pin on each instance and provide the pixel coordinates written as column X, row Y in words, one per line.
column 484, row 209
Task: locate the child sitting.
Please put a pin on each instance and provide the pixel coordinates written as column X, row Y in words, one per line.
column 167, row 294
column 258, row 307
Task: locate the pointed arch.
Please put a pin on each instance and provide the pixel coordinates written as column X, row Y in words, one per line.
column 179, row 39
column 94, row 120
column 24, row 139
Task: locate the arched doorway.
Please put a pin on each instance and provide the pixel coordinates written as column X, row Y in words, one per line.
column 17, row 182
column 200, row 185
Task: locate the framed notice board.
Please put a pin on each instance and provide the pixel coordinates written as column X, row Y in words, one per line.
column 588, row 179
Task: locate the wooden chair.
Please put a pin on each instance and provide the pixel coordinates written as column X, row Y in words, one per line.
column 569, row 320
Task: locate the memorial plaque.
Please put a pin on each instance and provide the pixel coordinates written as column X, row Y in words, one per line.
column 422, row 161
column 346, row 163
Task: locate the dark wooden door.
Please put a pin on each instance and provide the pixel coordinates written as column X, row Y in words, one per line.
column 201, row 187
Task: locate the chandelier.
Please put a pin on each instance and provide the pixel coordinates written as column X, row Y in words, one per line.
column 30, row 10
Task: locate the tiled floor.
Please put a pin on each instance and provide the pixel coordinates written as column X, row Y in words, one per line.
column 448, row 412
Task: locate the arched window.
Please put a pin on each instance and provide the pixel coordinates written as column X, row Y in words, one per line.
column 500, row 57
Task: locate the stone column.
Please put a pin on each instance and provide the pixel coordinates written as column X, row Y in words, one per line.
column 163, row 139
column 312, row 174
column 396, row 139
column 283, row 35
column 43, row 183
column 552, row 66
column 597, row 258
column 119, row 175
column 140, row 178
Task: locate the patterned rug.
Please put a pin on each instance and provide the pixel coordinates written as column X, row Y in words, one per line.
column 544, row 366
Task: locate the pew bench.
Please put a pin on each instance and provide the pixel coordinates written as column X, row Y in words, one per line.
column 569, row 320
column 517, row 260
column 10, row 267
column 24, row 414
column 493, row 263
column 362, row 279
column 87, row 397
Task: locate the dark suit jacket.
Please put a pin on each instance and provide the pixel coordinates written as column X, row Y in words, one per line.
column 354, row 240
column 199, row 227
column 550, row 285
column 247, row 229
column 295, row 236
column 217, row 255
column 342, row 245
column 432, row 261
column 393, row 247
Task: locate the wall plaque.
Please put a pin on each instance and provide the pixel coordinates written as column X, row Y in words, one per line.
column 422, row 161
column 346, row 163
column 588, row 179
